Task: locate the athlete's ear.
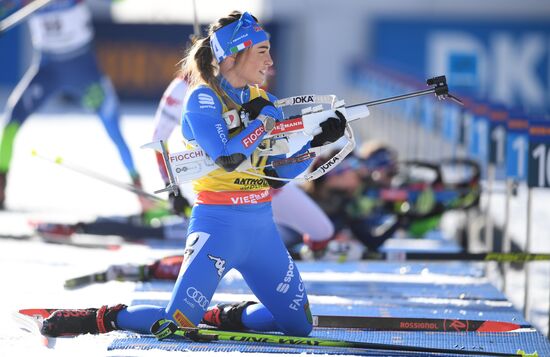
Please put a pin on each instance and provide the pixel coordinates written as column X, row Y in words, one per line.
column 230, row 60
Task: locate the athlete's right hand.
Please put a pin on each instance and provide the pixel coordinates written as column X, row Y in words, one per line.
column 333, row 129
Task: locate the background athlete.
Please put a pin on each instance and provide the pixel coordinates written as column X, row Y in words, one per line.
column 63, row 62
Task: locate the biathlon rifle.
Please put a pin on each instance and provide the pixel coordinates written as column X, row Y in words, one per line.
column 188, row 165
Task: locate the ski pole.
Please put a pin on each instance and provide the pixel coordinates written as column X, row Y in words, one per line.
column 86, row 172
column 22, row 14
column 518, row 257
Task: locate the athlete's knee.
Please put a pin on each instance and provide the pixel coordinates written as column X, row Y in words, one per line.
column 299, row 328
column 301, row 322
column 101, row 97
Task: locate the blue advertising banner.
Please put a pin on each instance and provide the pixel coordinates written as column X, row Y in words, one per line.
column 517, row 141
column 501, row 61
column 539, row 154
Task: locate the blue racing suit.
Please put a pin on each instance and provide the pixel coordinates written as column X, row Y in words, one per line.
column 231, row 226
column 64, row 62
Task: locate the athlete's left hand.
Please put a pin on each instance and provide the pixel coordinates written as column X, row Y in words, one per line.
column 260, row 105
column 178, row 203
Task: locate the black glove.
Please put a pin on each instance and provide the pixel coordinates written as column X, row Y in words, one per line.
column 178, row 204
column 255, row 106
column 333, row 129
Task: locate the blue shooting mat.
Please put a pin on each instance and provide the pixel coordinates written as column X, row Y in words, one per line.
column 423, row 290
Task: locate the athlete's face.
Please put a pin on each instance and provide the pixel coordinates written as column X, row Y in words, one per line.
column 252, row 65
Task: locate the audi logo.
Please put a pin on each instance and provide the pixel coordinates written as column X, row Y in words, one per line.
column 198, row 297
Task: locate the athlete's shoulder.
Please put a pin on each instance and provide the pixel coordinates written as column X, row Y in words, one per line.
column 203, row 98
column 272, row 98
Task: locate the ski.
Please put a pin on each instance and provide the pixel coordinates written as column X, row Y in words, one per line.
column 166, row 268
column 22, row 14
column 414, row 324
column 16, row 236
column 163, row 329
column 516, row 257
column 376, row 323
column 37, row 314
column 30, row 320
column 126, row 272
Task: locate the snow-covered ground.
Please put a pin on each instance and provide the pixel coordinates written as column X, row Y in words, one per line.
column 32, row 273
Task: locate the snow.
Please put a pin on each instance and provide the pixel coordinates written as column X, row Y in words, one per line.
column 32, row 273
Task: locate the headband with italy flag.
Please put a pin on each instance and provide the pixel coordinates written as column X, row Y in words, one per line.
column 236, row 37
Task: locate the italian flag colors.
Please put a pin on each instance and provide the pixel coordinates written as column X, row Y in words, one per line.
column 241, row 46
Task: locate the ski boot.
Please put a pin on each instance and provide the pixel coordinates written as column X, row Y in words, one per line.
column 54, row 230
column 81, row 321
column 313, row 250
column 227, row 316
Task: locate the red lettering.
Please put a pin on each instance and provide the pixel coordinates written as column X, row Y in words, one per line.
column 251, row 138
column 288, row 125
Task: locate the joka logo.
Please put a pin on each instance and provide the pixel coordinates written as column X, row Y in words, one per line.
column 198, row 297
column 220, row 264
column 302, row 99
column 251, row 138
column 329, row 164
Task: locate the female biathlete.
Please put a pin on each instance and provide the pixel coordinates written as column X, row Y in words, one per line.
column 230, row 226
